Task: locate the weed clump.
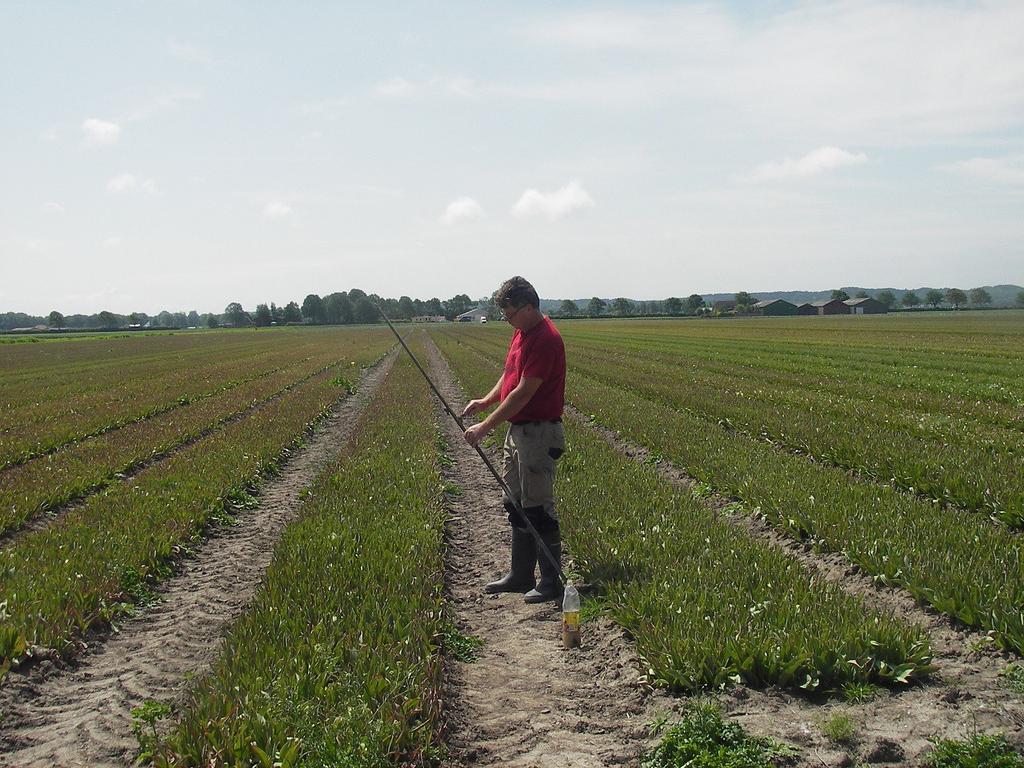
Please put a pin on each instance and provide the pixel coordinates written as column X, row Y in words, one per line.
column 977, row 751
column 702, row 739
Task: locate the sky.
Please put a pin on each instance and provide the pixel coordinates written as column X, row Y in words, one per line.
column 183, row 155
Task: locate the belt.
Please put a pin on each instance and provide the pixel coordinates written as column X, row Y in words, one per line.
column 537, row 421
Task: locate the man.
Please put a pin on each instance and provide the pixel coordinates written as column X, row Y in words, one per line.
column 531, row 393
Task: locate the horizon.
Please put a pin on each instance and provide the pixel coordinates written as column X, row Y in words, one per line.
column 475, row 302
column 164, row 157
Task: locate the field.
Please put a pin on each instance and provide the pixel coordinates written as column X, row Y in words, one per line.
column 266, row 548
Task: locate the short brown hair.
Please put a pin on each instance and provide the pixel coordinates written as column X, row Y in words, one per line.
column 518, row 292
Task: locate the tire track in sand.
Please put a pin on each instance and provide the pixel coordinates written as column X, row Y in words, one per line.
column 526, row 702
column 81, row 716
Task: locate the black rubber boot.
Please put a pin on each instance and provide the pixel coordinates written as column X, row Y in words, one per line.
column 549, row 587
column 524, row 560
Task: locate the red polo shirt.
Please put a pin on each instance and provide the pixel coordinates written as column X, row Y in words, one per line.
column 537, row 354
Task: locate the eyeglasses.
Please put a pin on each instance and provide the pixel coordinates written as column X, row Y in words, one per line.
column 513, row 313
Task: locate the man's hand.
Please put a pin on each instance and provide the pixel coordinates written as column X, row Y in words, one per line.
column 475, row 434
column 473, row 407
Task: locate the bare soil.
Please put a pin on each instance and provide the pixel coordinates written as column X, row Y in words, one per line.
column 80, row 715
column 526, row 702
column 964, row 696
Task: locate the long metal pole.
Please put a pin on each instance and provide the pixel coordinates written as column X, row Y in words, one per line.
column 480, row 453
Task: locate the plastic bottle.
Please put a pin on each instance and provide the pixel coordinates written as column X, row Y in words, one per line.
column 571, row 617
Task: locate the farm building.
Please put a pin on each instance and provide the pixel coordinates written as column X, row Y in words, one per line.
column 807, row 309
column 726, row 305
column 775, row 308
column 866, row 306
column 474, row 315
column 831, row 307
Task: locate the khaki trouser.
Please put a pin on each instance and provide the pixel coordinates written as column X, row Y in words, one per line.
column 528, row 463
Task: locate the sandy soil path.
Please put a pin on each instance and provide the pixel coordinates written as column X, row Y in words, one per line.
column 966, row 694
column 526, row 702
column 81, row 715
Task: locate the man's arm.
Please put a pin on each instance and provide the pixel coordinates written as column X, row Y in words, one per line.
column 509, row 407
column 475, row 406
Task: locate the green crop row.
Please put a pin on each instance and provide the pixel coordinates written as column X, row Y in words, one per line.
column 957, row 562
column 84, row 467
column 50, row 391
column 920, row 454
column 58, row 582
column 707, row 602
column 336, row 661
column 115, row 397
column 905, row 385
column 968, row 466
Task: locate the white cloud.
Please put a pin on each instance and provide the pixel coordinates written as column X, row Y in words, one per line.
column 396, row 87
column 1007, row 170
column 38, row 245
column 53, row 207
column 112, row 242
column 162, row 103
column 50, row 134
column 100, row 133
column 323, row 107
column 399, row 88
column 128, row 182
column 462, row 209
column 817, row 161
column 870, row 73
column 188, row 52
column 277, row 210
column 553, row 205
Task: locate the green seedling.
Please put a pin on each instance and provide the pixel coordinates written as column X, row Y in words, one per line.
column 144, row 727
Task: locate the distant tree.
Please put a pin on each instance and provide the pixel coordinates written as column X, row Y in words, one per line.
column 107, row 319
column 1020, row 298
column 888, row 298
column 365, row 311
column 673, row 305
column 456, row 305
column 275, row 313
column 262, row 316
column 406, row 309
column 355, row 295
column 934, row 297
column 622, row 306
column 596, row 306
column 840, row 295
column 134, row 319
column 55, row 319
column 744, row 299
column 234, row 314
column 910, row 299
column 862, row 295
column 568, row 308
column 980, row 297
column 956, row 297
column 291, row 313
column 165, row 319
column 338, row 308
column 212, row 321
column 313, row 310
column 192, row 318
column 694, row 303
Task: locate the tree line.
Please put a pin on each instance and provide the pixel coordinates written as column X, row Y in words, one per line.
column 356, row 306
column 744, row 303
